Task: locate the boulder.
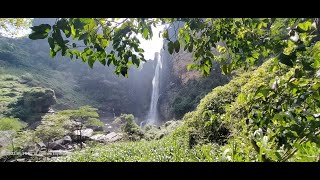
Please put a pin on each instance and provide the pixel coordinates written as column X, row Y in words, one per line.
column 85, row 133
column 66, row 140
column 59, row 153
column 41, row 145
column 6, row 137
column 69, row 146
column 57, row 145
column 112, row 137
column 98, row 137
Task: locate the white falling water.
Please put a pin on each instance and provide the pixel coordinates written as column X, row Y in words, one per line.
column 153, row 114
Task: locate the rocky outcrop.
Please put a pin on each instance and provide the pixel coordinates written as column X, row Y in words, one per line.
column 111, row 137
column 67, row 140
column 85, row 134
column 33, row 104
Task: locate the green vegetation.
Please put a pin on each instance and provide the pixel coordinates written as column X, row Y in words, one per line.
column 10, row 91
column 32, row 104
column 85, row 116
column 268, row 112
column 11, row 124
column 50, row 128
column 127, row 125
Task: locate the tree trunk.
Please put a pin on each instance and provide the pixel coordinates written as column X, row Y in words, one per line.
column 47, row 150
column 80, row 137
column 12, row 144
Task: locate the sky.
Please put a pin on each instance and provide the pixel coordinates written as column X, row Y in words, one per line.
column 150, row 46
column 154, row 45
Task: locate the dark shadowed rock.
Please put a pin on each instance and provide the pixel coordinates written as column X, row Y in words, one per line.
column 67, row 140
column 34, row 125
column 57, row 145
column 96, row 128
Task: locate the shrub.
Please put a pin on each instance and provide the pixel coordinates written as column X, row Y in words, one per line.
column 11, row 124
column 127, row 125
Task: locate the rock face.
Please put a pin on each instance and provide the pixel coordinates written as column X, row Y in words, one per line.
column 33, row 104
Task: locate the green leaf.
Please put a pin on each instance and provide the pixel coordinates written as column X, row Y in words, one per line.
column 225, row 69
column 52, row 53
column 316, row 86
column 64, row 26
column 145, row 33
column 123, row 71
column 165, row 35
column 73, row 31
column 305, row 26
column 135, row 60
column 205, row 69
column 287, row 59
column 242, row 98
column 58, row 38
column 177, row 46
column 170, row 47
column 43, row 28
column 103, row 62
column 109, row 61
column 51, row 42
column 192, row 66
column 37, row 35
column 190, row 48
column 91, row 61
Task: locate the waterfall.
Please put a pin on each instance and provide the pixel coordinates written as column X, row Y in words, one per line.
column 153, row 114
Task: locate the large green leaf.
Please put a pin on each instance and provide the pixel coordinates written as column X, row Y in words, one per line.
column 177, row 46
column 37, row 35
column 41, row 28
column 51, row 42
column 170, row 47
column 305, row 26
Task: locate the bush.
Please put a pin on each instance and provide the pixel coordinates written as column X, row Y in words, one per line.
column 208, row 119
column 127, row 125
column 11, row 124
column 94, row 122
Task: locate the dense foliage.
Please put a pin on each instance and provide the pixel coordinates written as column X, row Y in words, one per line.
column 270, row 113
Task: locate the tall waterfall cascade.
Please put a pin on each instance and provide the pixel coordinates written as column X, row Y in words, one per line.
column 152, row 117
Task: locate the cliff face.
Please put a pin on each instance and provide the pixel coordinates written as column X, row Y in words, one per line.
column 180, row 89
